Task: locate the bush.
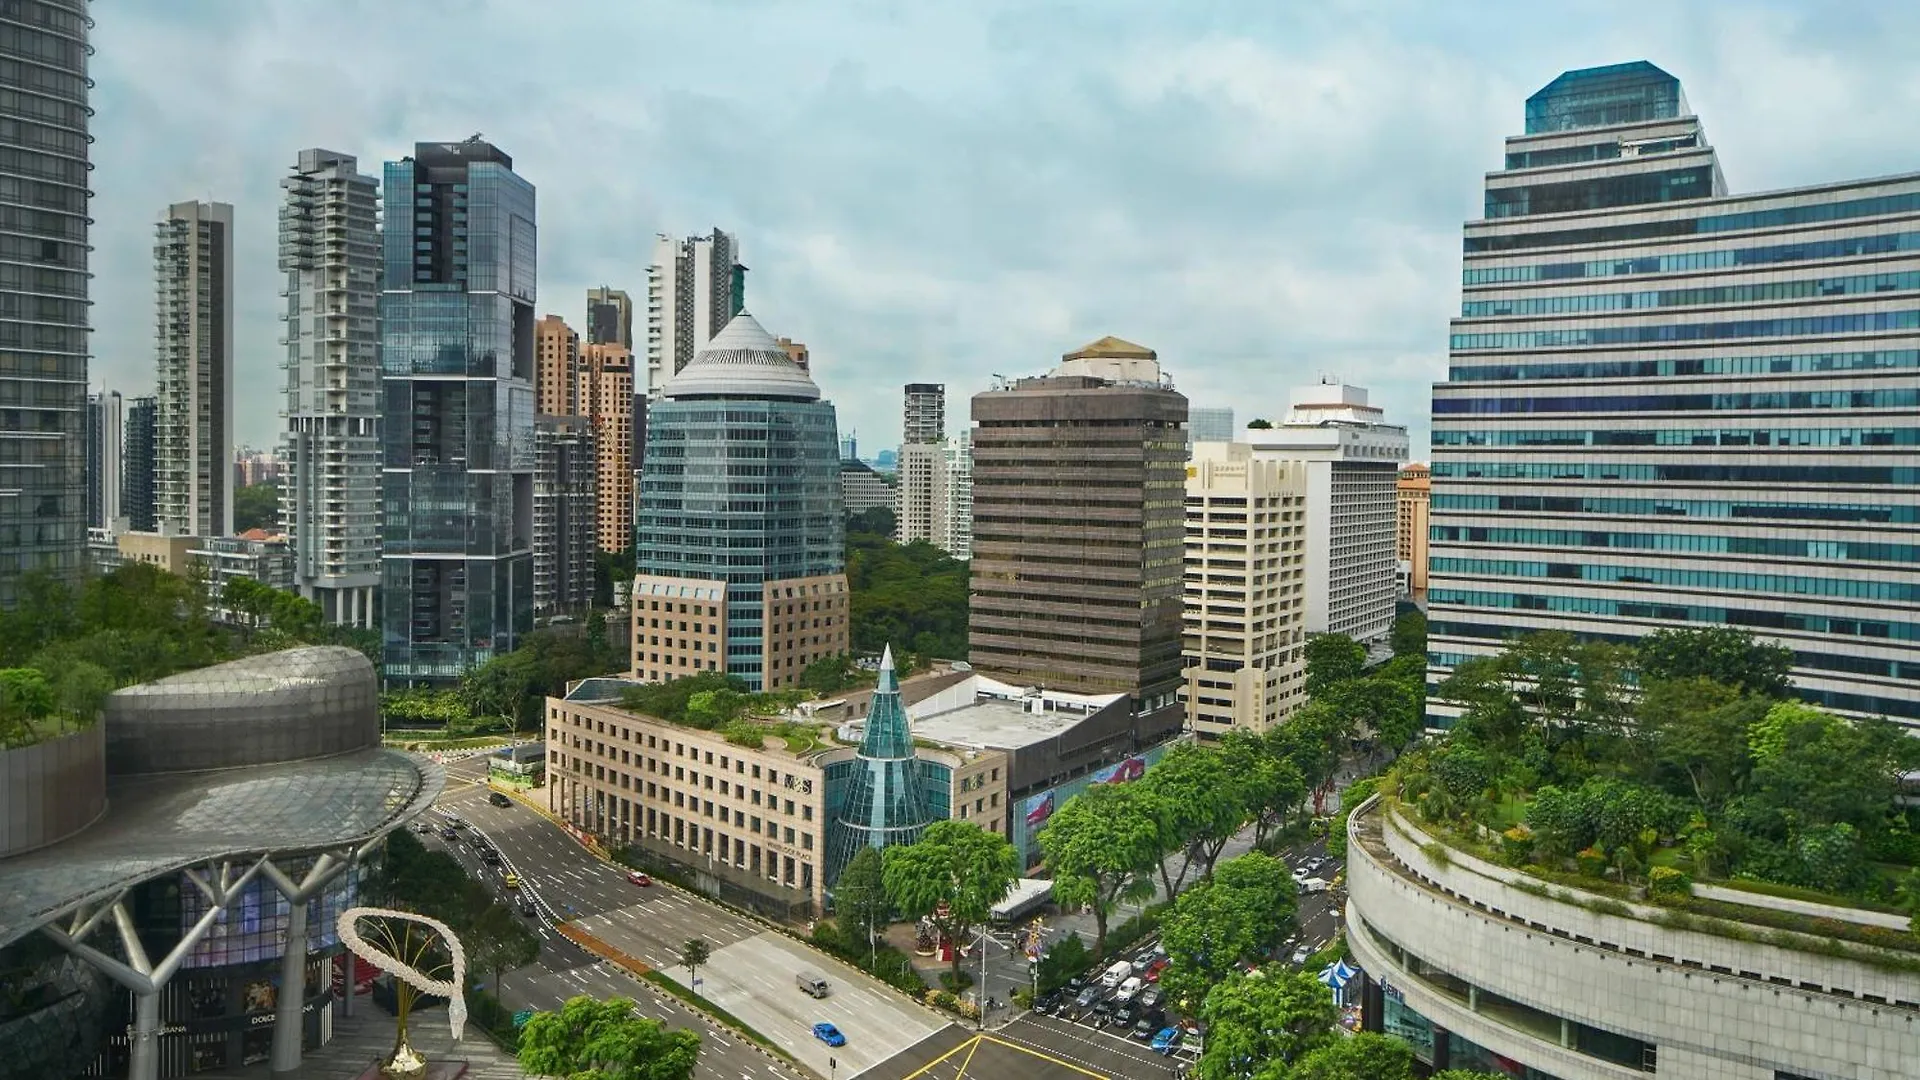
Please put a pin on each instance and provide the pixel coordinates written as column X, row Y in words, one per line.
column 956, row 981
column 493, row 1017
column 1023, row 999
column 1122, row 937
column 1516, row 844
column 1592, row 862
column 1667, row 881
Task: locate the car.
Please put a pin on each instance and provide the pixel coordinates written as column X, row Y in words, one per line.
column 1102, row 1012
column 1300, row 956
column 490, row 857
column 527, row 908
column 448, row 834
column 1165, row 1041
column 829, row 1034
column 1301, row 873
column 1049, row 1001
column 498, row 799
column 1125, row 1014
column 512, row 881
column 1144, row 1028
column 1087, row 997
column 1157, row 968
column 425, row 827
column 455, row 823
column 1153, row 1018
column 1128, row 989
column 638, row 878
column 1151, row 997
column 1076, row 984
column 1143, row 958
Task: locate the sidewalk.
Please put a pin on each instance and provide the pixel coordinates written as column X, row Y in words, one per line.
column 367, row 1037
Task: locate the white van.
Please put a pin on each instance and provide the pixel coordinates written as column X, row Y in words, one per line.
column 1117, row 974
column 1128, row 989
column 1313, row 885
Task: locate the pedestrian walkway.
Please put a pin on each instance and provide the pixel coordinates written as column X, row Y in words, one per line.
column 366, row 1038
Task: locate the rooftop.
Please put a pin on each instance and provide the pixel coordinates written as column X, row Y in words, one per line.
column 742, row 361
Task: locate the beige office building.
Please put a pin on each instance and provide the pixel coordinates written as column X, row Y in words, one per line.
column 605, row 393
column 1416, row 492
column 1245, row 589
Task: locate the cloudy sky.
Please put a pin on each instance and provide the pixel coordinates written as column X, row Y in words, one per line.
column 943, row 191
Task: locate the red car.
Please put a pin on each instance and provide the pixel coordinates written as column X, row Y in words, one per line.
column 1154, row 969
column 638, row 878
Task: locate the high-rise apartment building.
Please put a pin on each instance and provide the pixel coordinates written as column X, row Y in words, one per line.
column 556, row 366
column 959, row 539
column 565, row 514
column 1246, row 570
column 1352, row 458
column 1415, row 488
column 1210, row 425
column 920, row 494
column 330, row 497
column 694, row 288
column 136, row 456
column 607, row 401
column 43, row 362
column 796, row 352
column 1671, row 406
column 739, row 568
column 105, row 434
column 609, row 317
column 193, row 339
column 458, row 325
column 924, row 418
column 862, row 489
column 1079, row 529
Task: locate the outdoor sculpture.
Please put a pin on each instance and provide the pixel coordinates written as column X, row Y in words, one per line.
column 402, row 960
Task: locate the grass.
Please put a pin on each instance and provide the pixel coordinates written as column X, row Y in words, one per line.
column 1813, row 896
column 703, row 1005
column 427, row 745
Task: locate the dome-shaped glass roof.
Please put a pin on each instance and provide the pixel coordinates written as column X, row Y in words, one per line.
column 742, row 360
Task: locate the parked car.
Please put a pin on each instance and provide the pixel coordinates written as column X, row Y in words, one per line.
column 1153, row 1018
column 1300, row 956
column 1125, row 1014
column 639, row 878
column 1301, row 873
column 1086, row 999
column 1157, row 969
column 1143, row 957
column 1128, row 989
column 1165, row 1041
column 497, row 799
column 1120, row 972
column 1150, row 998
column 1102, row 1012
column 1144, row 1028
column 829, row 1034
column 1048, row 1002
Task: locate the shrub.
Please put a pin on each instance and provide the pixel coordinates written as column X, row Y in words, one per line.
column 1516, row 844
column 1591, row 861
column 1667, row 881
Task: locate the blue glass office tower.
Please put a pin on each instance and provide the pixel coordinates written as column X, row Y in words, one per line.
column 457, row 410
column 1669, row 406
column 885, row 803
column 739, row 538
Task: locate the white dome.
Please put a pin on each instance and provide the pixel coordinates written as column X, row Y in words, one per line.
column 742, row 360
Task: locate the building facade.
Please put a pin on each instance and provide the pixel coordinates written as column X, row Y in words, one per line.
column 694, row 288
column 1079, row 528
column 106, row 421
column 565, row 514
column 740, row 519
column 330, row 499
column 796, row 352
column 256, row 555
column 920, row 494
column 458, row 330
column 1672, row 406
column 43, row 368
column 1210, row 425
column 609, row 317
column 193, row 340
column 1352, row 457
column 136, row 479
column 924, row 416
column 607, row 401
column 1246, row 569
column 862, row 489
column 556, row 367
column 959, row 535
column 1415, row 489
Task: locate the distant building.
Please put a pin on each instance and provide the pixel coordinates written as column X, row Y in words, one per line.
column 1210, row 425
column 565, row 514
column 136, row 479
column 694, row 288
column 556, row 367
column 862, row 489
column 169, row 552
column 924, row 417
column 256, row 555
column 796, row 352
column 959, row 490
column 609, row 318
column 1415, row 494
column 606, row 398
column 252, row 467
column 194, row 343
column 105, row 433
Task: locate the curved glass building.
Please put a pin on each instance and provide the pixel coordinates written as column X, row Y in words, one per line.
column 739, row 538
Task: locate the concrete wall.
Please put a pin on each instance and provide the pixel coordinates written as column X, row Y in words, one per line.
column 51, row 790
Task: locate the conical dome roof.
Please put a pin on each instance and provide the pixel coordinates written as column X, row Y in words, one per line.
column 743, row 361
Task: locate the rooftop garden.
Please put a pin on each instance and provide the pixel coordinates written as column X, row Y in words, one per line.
column 1640, row 771
column 713, row 701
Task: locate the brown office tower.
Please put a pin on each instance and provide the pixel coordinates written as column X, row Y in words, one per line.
column 1079, row 530
column 606, row 399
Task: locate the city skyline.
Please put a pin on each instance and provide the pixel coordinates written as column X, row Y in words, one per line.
column 1238, row 256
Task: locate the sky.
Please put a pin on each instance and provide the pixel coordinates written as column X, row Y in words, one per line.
column 937, row 191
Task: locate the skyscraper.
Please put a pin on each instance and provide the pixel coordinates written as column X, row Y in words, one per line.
column 1079, row 529
column 694, row 287
column 924, row 415
column 106, row 430
column 330, row 497
column 607, row 401
column 556, row 364
column 1681, row 407
column 959, row 539
column 609, row 317
column 920, row 495
column 740, row 568
column 564, row 514
column 136, row 481
column 458, row 328
column 193, row 428
column 43, row 369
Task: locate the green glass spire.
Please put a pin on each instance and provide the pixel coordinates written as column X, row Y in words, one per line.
column 887, row 804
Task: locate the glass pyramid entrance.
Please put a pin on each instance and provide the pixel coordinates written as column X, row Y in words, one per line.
column 886, row 803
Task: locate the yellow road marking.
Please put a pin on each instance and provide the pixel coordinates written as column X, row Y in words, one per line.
column 972, row 1049
column 972, row 1046
column 941, row 1060
column 1046, row 1057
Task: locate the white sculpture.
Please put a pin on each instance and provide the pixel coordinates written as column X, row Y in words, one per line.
column 406, row 1062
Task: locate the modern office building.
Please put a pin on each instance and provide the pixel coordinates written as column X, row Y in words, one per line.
column 105, row 426
column 740, row 542
column 694, row 288
column 1353, row 461
column 1668, row 405
column 606, row 399
column 1246, row 570
column 609, row 317
column 1079, row 529
column 862, row 489
column 566, row 501
column 1415, row 493
column 924, row 417
column 458, row 330
column 43, row 360
column 193, row 342
column 136, row 480
column 556, row 367
column 330, row 498
column 958, row 541
column 1210, row 425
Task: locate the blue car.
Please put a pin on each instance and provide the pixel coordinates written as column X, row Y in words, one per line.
column 1164, row 1042
column 829, row 1034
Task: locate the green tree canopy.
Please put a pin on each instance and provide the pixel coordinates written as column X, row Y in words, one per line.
column 1409, row 636
column 912, row 595
column 1362, row 1056
column 1203, row 806
column 875, row 521
column 1271, row 787
column 953, row 863
column 256, row 506
column 1102, row 846
column 1332, row 659
column 1243, row 910
column 1265, row 1021
column 1069, row 957
column 498, row 941
column 860, row 896
column 1728, row 656
column 605, row 1040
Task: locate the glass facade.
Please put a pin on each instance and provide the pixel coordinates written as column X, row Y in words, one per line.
column 886, row 801
column 43, row 288
column 457, row 474
column 1752, row 467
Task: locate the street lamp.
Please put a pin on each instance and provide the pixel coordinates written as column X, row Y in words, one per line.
column 983, row 979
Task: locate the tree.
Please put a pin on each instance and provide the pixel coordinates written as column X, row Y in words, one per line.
column 1271, row 1020
column 1069, row 957
column 907, row 595
column 256, row 506
column 1332, row 659
column 860, row 897
column 25, row 699
column 1259, row 423
column 832, row 674
column 498, row 941
column 1700, row 727
column 1202, row 807
column 1102, row 846
column 1409, row 636
column 605, row 1040
column 955, row 866
column 1214, row 924
column 694, row 956
column 873, row 521
column 1364, row 1056
column 1271, row 787
column 1390, row 711
column 1728, row 656
column 610, row 567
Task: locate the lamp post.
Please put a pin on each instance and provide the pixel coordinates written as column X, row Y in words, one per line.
column 983, row 979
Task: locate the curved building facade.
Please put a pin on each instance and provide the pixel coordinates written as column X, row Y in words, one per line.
column 739, row 536
column 1481, row 966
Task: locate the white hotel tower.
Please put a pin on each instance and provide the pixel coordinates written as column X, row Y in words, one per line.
column 1671, row 406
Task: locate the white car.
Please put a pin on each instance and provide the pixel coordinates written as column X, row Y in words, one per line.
column 1300, row 873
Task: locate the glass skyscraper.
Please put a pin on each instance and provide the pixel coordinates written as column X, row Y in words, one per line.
column 740, row 546
column 1670, row 406
column 457, row 419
